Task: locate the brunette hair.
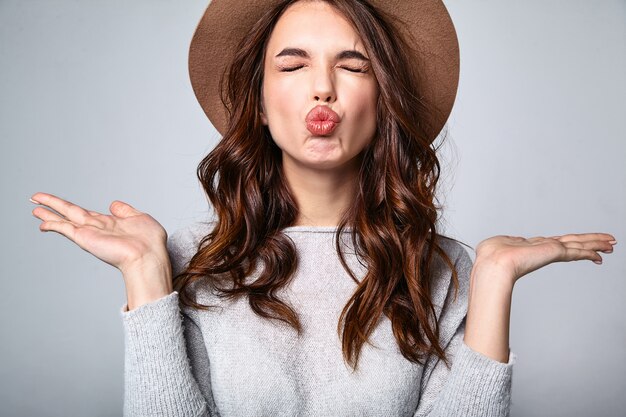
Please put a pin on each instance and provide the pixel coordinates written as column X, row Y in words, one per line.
column 392, row 217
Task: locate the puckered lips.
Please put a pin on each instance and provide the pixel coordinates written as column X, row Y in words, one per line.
column 321, row 120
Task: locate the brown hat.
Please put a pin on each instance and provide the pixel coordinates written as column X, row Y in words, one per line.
column 225, row 22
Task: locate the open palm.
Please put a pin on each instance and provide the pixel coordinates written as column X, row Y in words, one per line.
column 518, row 256
column 121, row 239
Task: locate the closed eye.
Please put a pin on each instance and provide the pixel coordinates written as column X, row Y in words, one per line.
column 355, row 69
column 291, row 69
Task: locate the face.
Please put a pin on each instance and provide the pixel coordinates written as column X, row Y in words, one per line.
column 306, row 65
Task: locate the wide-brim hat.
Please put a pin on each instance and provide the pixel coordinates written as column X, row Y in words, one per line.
column 225, row 22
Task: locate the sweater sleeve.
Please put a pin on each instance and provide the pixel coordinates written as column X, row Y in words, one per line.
column 158, row 379
column 475, row 384
column 166, row 366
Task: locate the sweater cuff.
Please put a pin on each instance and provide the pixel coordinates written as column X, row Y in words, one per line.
column 484, row 380
column 484, row 361
column 166, row 299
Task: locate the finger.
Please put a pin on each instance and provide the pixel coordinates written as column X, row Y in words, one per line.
column 575, row 254
column 72, row 212
column 595, row 245
column 65, row 228
column 91, row 212
column 92, row 219
column 121, row 209
column 46, row 215
column 586, row 237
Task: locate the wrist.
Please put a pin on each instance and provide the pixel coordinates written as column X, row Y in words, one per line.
column 147, row 281
column 488, row 312
column 495, row 275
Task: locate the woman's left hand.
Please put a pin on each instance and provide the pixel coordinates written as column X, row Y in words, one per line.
column 516, row 256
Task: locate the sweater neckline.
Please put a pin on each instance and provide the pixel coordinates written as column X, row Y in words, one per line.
column 316, row 229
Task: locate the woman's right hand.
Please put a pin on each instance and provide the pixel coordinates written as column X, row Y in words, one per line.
column 132, row 241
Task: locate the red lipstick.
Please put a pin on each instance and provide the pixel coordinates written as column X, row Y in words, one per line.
column 321, row 120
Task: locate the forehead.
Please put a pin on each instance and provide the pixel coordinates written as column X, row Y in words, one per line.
column 315, row 26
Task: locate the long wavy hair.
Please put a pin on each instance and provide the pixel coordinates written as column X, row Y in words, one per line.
column 393, row 216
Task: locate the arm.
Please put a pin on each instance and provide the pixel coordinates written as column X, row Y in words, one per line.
column 489, row 313
column 166, row 363
column 500, row 262
column 479, row 380
column 199, row 360
column 157, row 374
column 475, row 384
column 158, row 378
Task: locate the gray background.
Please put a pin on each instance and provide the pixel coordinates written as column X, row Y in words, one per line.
column 95, row 105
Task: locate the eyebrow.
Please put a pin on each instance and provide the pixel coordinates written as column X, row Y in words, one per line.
column 347, row 54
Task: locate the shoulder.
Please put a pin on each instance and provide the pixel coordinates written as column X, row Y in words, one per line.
column 457, row 253
column 184, row 242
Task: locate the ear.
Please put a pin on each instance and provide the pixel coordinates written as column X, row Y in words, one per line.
column 263, row 118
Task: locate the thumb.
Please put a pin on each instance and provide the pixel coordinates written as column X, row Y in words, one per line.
column 120, row 209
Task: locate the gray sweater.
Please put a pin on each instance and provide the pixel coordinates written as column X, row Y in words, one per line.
column 230, row 362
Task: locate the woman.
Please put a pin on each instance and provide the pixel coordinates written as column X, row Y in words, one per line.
column 322, row 288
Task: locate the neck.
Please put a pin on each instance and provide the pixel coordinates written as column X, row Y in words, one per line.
column 321, row 195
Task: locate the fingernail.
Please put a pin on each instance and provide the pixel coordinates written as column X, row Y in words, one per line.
column 613, row 242
column 33, row 201
column 598, row 262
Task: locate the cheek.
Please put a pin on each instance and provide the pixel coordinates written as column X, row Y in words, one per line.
column 279, row 100
column 281, row 112
column 365, row 103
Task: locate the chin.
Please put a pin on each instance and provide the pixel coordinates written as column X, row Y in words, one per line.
column 328, row 163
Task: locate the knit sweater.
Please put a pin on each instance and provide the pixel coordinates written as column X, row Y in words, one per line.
column 231, row 362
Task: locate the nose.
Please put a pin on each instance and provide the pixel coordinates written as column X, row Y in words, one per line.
column 323, row 86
